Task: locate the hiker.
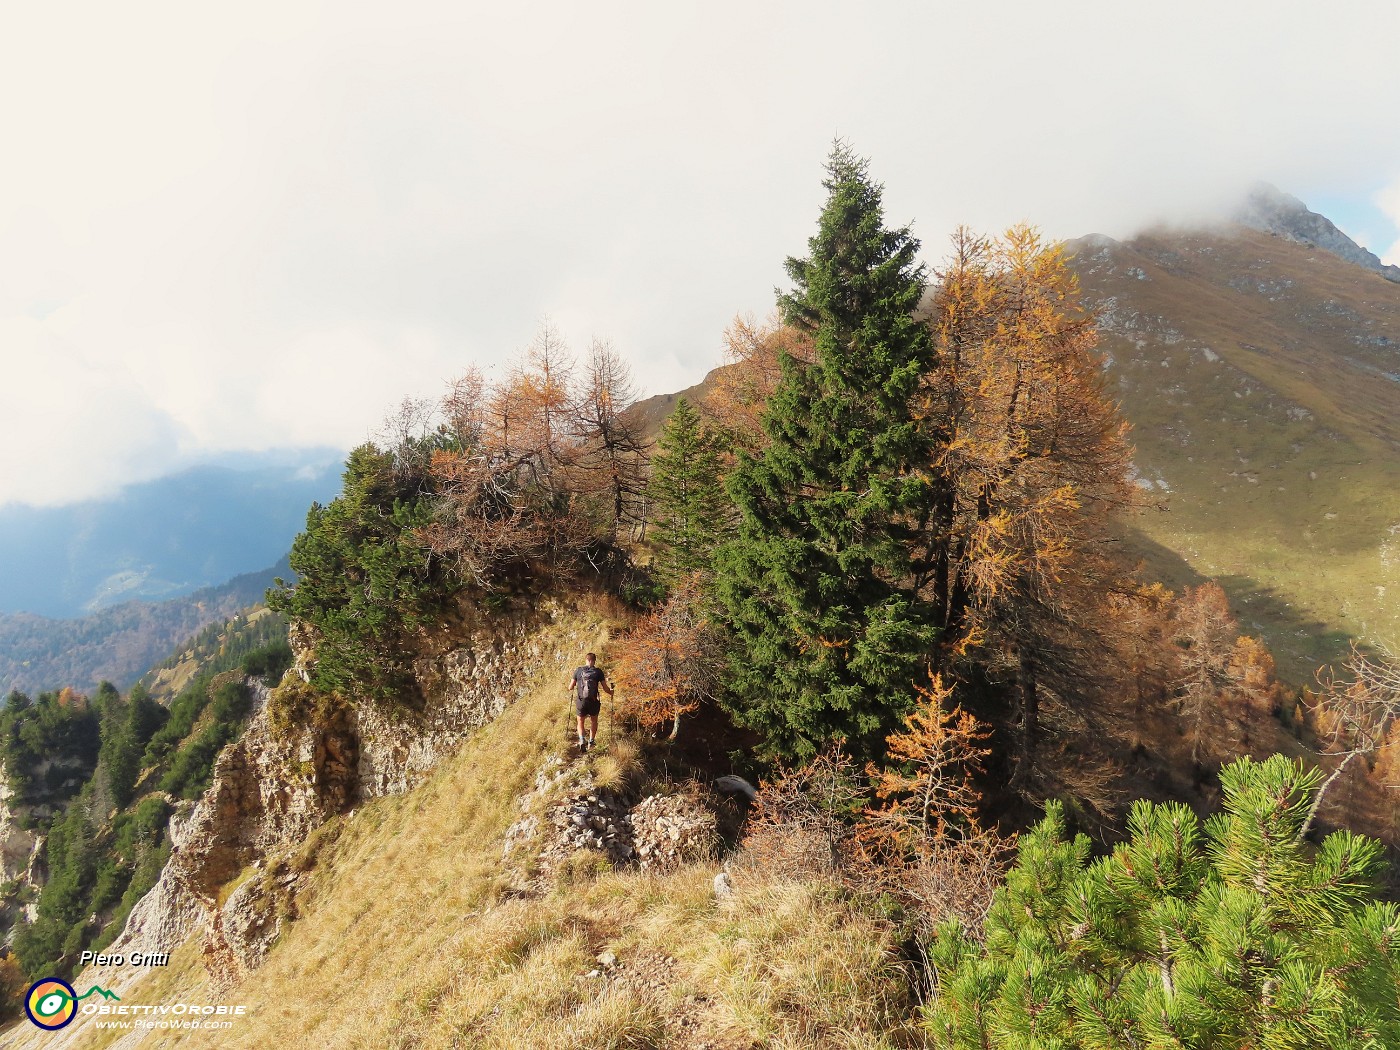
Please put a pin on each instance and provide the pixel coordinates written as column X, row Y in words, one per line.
column 585, row 683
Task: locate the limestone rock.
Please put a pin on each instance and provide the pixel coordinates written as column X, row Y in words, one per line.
column 266, row 791
column 16, row 842
column 669, row 830
column 270, row 789
column 241, row 932
column 21, row 860
column 657, row 833
column 589, row 820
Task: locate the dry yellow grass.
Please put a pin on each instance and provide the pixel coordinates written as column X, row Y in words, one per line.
column 412, row 936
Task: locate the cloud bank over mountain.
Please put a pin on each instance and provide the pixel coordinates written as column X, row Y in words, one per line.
column 206, row 216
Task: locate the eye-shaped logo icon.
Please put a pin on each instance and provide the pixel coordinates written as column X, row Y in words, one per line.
column 51, row 1003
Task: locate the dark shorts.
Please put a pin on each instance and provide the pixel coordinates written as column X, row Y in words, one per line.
column 588, row 707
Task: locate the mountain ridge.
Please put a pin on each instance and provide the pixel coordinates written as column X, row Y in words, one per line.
column 1262, row 378
column 1271, row 210
column 121, row 643
column 159, row 539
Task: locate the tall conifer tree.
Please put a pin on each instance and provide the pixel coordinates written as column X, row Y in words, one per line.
column 831, row 635
column 688, row 495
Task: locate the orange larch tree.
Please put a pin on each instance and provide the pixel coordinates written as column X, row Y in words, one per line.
column 753, row 369
column 924, row 841
column 1031, row 466
column 670, row 661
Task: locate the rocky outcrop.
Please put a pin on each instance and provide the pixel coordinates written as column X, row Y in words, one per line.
column 21, row 855
column 17, row 843
column 670, row 830
column 589, row 820
column 286, row 776
column 244, row 928
column 267, row 790
column 467, row 672
column 566, row 815
column 464, row 688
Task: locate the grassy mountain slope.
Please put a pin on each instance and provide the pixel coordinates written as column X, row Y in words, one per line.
column 218, row 647
column 1262, row 378
column 414, row 933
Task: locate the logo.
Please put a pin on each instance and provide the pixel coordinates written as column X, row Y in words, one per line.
column 52, row 1003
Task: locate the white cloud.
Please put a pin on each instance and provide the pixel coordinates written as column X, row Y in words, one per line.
column 71, row 425
column 255, row 226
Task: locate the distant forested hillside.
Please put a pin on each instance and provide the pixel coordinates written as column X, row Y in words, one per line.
column 118, row 644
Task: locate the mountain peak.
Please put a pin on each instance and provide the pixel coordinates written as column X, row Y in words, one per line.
column 1270, row 210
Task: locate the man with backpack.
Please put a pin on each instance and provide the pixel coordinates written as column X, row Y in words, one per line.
column 586, row 682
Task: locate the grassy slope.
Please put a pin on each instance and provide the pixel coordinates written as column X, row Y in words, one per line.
column 1263, row 382
column 164, row 683
column 412, row 937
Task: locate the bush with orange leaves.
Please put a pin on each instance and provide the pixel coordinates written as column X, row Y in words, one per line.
column 669, row 662
column 804, row 822
column 924, row 843
column 920, row 842
column 12, row 984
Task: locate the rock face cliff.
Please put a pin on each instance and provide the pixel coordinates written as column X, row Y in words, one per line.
column 1270, row 210
column 274, row 786
column 21, row 852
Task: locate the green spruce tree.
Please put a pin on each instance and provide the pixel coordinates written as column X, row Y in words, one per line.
column 1239, row 934
column 687, row 495
column 831, row 637
column 366, row 581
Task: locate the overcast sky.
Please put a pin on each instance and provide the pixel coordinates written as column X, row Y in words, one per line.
column 250, row 226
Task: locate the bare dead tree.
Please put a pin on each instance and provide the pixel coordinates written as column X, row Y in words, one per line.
column 507, row 484
column 405, row 432
column 613, row 451
column 1354, row 717
column 1205, row 633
